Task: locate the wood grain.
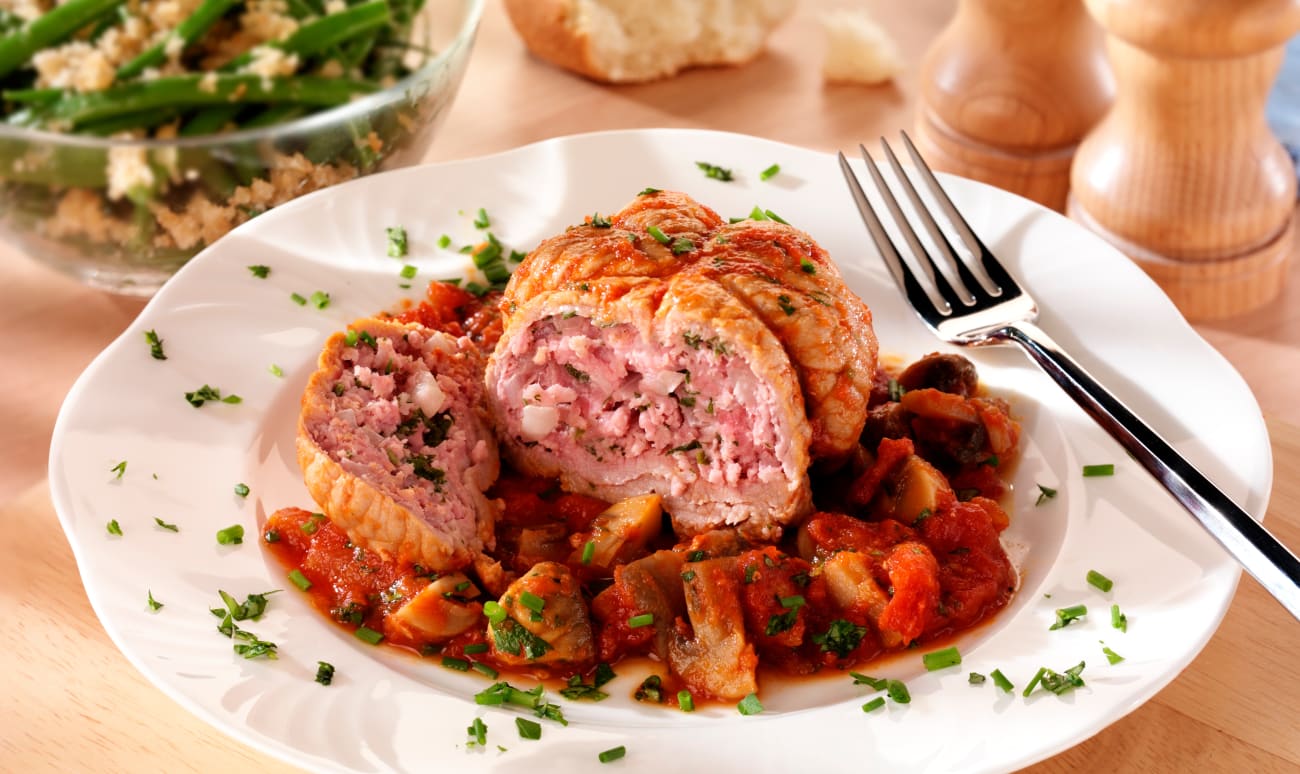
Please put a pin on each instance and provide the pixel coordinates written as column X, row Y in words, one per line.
column 1183, row 174
column 1007, row 91
column 69, row 701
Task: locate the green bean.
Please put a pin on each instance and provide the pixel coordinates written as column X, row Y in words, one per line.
column 48, row 29
column 185, row 91
column 276, row 114
column 326, row 32
column 33, row 96
column 147, row 120
column 188, row 31
column 210, row 120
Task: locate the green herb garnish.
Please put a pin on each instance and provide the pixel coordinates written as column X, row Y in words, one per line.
column 397, row 244
column 231, row 536
column 155, row 345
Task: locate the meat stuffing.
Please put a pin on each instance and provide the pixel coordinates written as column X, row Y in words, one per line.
column 394, row 443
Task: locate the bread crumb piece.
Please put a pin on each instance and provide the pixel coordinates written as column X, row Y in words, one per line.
column 858, row 50
column 271, row 63
column 78, row 66
column 127, row 169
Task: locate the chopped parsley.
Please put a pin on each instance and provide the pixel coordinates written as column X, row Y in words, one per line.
column 1045, row 493
column 841, row 638
column 715, row 172
column 682, row 245
column 511, row 637
column 397, row 244
column 528, row 729
column 784, row 302
column 1057, row 683
column 783, row 622
column 580, row 376
column 807, row 266
column 113, row 527
column 651, row 689
column 231, row 536
column 692, row 446
column 976, row 678
column 423, row 467
column 1111, row 656
column 155, row 345
column 119, row 469
column 649, row 191
column 241, row 490
column 598, row 221
column 154, row 604
column 324, row 672
column 770, row 172
column 206, row 393
column 260, row 271
column 165, row 525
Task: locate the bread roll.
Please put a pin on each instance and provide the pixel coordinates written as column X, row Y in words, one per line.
column 630, row 41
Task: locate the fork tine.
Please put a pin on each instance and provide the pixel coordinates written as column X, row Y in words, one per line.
column 923, row 257
column 968, row 281
column 1002, row 281
column 903, row 276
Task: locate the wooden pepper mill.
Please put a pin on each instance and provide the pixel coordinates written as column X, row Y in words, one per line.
column 1008, row 90
column 1183, row 174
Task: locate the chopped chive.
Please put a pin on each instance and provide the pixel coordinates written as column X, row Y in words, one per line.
column 807, row 266
column 494, row 611
column 271, row 536
column 231, row 536
column 241, row 490
column 320, row 299
column 260, row 271
column 1068, row 615
column 298, row 299
column 688, row 576
column 299, row 580
column 1045, row 493
column 685, row 701
column 485, row 670
column 897, row 691
column 155, row 345
column 941, row 659
column 154, row 604
column 478, row 732
column 588, row 551
column 1001, row 681
column 458, row 664
column 324, row 672
column 1100, row 581
column 1034, row 681
column 612, row 754
column 750, row 705
column 532, row 601
column 1118, row 619
column 875, row 683
column 649, row 191
column 659, row 236
column 312, row 524
column 874, row 704
column 756, row 214
column 637, row 621
column 366, row 634
column 113, row 527
column 482, row 221
column 368, row 339
column 528, row 729
column 599, row 221
column 475, row 647
column 1111, row 656
column 467, row 249
column 165, row 525
column 397, row 245
column 408, row 271
column 1099, row 470
column 773, row 216
column 119, row 469
column 444, row 241
column 976, row 678
column 350, row 338
column 276, row 370
column 770, row 172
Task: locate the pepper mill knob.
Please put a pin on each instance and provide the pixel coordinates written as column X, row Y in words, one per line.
column 1183, row 175
column 1008, row 90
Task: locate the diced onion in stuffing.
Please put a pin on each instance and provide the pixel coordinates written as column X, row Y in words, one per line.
column 537, row 422
column 427, row 395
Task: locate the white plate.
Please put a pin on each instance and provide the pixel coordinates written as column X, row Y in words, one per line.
column 225, row 328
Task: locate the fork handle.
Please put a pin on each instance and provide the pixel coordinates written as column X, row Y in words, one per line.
column 1270, row 562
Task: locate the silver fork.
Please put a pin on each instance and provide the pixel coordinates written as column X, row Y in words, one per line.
column 1006, row 313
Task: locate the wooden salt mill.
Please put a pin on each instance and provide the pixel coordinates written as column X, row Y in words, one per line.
column 1183, row 175
column 1008, row 90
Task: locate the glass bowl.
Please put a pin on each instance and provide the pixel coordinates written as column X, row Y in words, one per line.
column 61, row 197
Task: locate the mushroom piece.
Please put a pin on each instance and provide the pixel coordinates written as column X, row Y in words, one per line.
column 620, row 533
column 437, row 612
column 716, row 660
column 543, row 620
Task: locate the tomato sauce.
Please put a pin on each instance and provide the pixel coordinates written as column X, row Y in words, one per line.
column 906, row 551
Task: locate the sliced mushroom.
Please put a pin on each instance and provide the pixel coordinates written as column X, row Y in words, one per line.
column 438, row 612
column 717, row 659
column 546, row 620
column 621, row 532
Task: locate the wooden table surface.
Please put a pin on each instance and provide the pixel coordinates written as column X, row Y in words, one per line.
column 71, row 702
